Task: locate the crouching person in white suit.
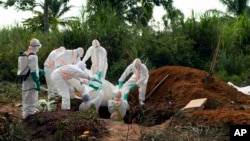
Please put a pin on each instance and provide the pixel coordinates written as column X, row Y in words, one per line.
column 61, row 78
column 139, row 79
column 117, row 107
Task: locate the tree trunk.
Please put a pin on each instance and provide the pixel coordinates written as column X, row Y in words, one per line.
column 46, row 16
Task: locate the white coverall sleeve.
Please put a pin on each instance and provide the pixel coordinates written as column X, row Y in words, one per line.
column 127, row 71
column 75, row 72
column 98, row 100
column 101, row 58
column 144, row 74
column 88, row 53
column 81, row 74
column 111, row 106
column 123, row 108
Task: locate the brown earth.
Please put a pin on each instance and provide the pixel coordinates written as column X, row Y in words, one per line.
column 224, row 105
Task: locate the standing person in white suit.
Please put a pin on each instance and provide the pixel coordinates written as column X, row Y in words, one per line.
column 99, row 60
column 138, row 79
column 61, row 77
column 31, row 85
column 49, row 67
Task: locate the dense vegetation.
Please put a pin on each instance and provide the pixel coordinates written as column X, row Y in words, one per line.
column 187, row 42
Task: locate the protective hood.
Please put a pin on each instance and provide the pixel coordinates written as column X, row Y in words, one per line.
column 95, row 43
column 118, row 94
column 81, row 65
column 80, row 51
column 61, row 49
column 34, row 45
column 137, row 63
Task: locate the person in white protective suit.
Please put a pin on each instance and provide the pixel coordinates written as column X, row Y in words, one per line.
column 99, row 60
column 61, row 78
column 31, row 85
column 117, row 107
column 138, row 79
column 69, row 57
column 49, row 67
column 87, row 102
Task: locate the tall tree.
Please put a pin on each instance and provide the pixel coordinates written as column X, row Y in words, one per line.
column 29, row 5
column 56, row 10
column 132, row 11
column 237, row 7
column 173, row 19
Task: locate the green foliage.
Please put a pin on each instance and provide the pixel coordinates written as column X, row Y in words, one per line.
column 10, row 130
column 56, row 10
column 89, row 114
column 191, row 43
column 237, row 7
column 213, row 104
column 61, row 131
column 205, row 34
column 9, row 92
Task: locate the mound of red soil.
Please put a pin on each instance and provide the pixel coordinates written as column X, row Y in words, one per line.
column 224, row 103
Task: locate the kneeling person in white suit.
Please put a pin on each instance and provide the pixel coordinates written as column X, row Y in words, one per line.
column 117, row 107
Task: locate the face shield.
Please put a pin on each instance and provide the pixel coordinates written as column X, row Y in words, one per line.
column 35, row 45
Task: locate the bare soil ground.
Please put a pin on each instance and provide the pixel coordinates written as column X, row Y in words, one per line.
column 224, row 105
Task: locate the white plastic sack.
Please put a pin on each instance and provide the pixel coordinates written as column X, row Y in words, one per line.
column 244, row 90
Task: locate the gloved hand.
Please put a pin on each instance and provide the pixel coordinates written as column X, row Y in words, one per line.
column 120, row 83
column 99, row 75
column 41, row 72
column 36, row 80
column 92, row 85
column 133, row 87
column 95, row 79
column 125, row 97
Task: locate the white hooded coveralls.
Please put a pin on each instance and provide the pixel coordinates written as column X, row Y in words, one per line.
column 29, row 92
column 98, row 56
column 61, row 78
column 68, row 57
column 49, row 67
column 139, row 76
column 117, row 107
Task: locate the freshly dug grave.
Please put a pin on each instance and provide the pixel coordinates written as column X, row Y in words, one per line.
column 224, row 103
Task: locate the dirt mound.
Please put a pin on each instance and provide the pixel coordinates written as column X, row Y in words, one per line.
column 224, row 103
